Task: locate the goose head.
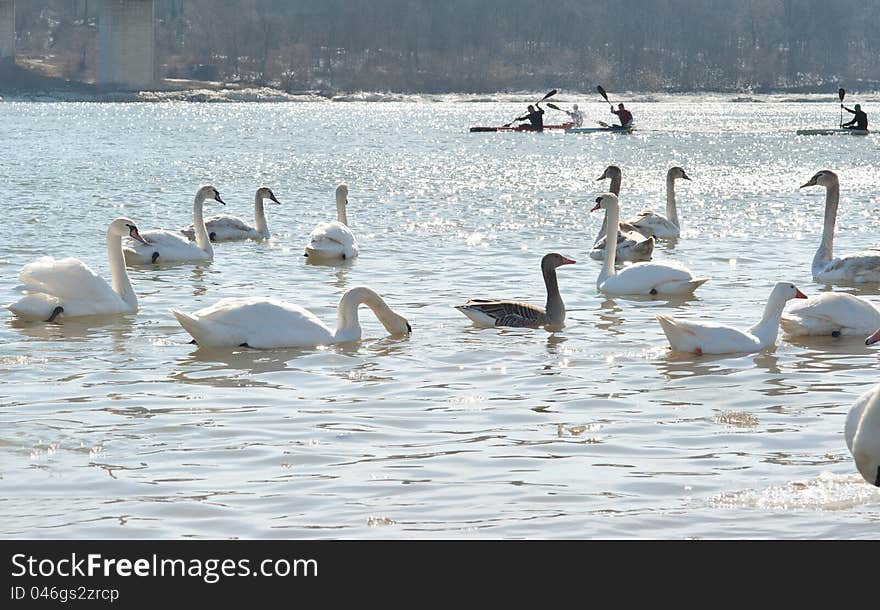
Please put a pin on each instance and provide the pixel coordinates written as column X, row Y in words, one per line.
column 611, row 172
column 125, row 227
column 209, row 192
column 605, row 202
column 785, row 291
column 824, row 178
column 342, row 195
column 264, row 192
column 676, row 173
column 553, row 260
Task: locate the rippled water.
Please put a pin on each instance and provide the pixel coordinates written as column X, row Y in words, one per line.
column 120, row 428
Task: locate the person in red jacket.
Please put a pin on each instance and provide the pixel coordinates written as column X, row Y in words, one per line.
column 625, row 116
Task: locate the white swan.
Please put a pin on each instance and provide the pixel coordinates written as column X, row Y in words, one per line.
column 519, row 314
column 862, row 431
column 167, row 246
column 688, row 336
column 266, row 323
column 860, row 267
column 831, row 313
column 232, row 228
column 640, row 278
column 651, row 224
column 70, row 288
column 631, row 245
column 334, row 240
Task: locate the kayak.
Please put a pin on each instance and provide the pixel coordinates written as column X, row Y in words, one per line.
column 518, row 128
column 611, row 128
column 832, row 132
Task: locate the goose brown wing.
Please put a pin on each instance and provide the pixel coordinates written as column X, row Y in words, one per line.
column 510, row 313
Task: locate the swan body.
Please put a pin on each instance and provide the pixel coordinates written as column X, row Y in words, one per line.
column 651, row 224
column 862, row 267
column 69, row 288
column 699, row 338
column 862, row 432
column 519, row 314
column 232, row 228
column 831, row 313
column 168, row 247
column 631, row 244
column 661, row 279
column 333, row 240
column 266, row 323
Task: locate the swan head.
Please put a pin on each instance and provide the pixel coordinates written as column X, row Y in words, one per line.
column 554, row 260
column 824, row 178
column 264, row 192
column 606, row 201
column 209, row 192
column 125, row 227
column 785, row 291
column 676, row 173
column 611, row 172
column 342, row 194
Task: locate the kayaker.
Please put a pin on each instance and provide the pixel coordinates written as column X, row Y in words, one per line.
column 625, row 116
column 535, row 117
column 860, row 121
column 576, row 116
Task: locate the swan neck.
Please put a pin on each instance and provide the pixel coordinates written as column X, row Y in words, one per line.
column 120, row 282
column 348, row 327
column 671, row 212
column 555, row 308
column 615, row 184
column 826, row 249
column 612, row 218
column 341, row 214
column 260, row 216
column 202, row 239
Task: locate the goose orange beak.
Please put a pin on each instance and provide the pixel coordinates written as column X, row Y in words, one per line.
column 567, row 261
column 800, row 295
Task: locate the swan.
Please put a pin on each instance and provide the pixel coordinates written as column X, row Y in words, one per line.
column 651, row 224
column 860, row 267
column 631, row 245
column 68, row 286
column 334, row 240
column 862, row 431
column 165, row 246
column 233, row 228
column 709, row 338
column 831, row 313
column 266, row 323
column 519, row 314
column 640, row 278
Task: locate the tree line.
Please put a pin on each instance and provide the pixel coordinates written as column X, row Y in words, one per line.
column 487, row 45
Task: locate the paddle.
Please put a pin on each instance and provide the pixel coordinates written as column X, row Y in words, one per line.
column 550, row 94
column 841, row 93
column 603, row 94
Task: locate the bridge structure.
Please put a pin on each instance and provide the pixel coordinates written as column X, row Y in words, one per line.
column 126, row 41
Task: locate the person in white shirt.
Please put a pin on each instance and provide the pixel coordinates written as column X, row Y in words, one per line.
column 576, row 116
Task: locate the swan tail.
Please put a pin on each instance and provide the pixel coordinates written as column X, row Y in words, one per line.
column 207, row 334
column 681, row 338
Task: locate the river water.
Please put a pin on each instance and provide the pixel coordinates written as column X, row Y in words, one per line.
column 119, row 428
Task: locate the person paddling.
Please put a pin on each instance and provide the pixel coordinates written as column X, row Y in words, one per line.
column 625, row 116
column 535, row 117
column 576, row 116
column 860, row 121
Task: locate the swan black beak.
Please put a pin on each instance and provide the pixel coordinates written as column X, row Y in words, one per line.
column 218, row 200
column 272, row 197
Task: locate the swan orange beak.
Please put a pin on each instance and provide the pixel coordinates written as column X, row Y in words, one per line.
column 800, row 295
column 135, row 235
column 598, row 204
column 873, row 338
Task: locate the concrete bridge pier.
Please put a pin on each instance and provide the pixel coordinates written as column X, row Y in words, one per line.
column 126, row 43
column 7, row 30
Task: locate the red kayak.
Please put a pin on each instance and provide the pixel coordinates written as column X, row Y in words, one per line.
column 520, row 128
